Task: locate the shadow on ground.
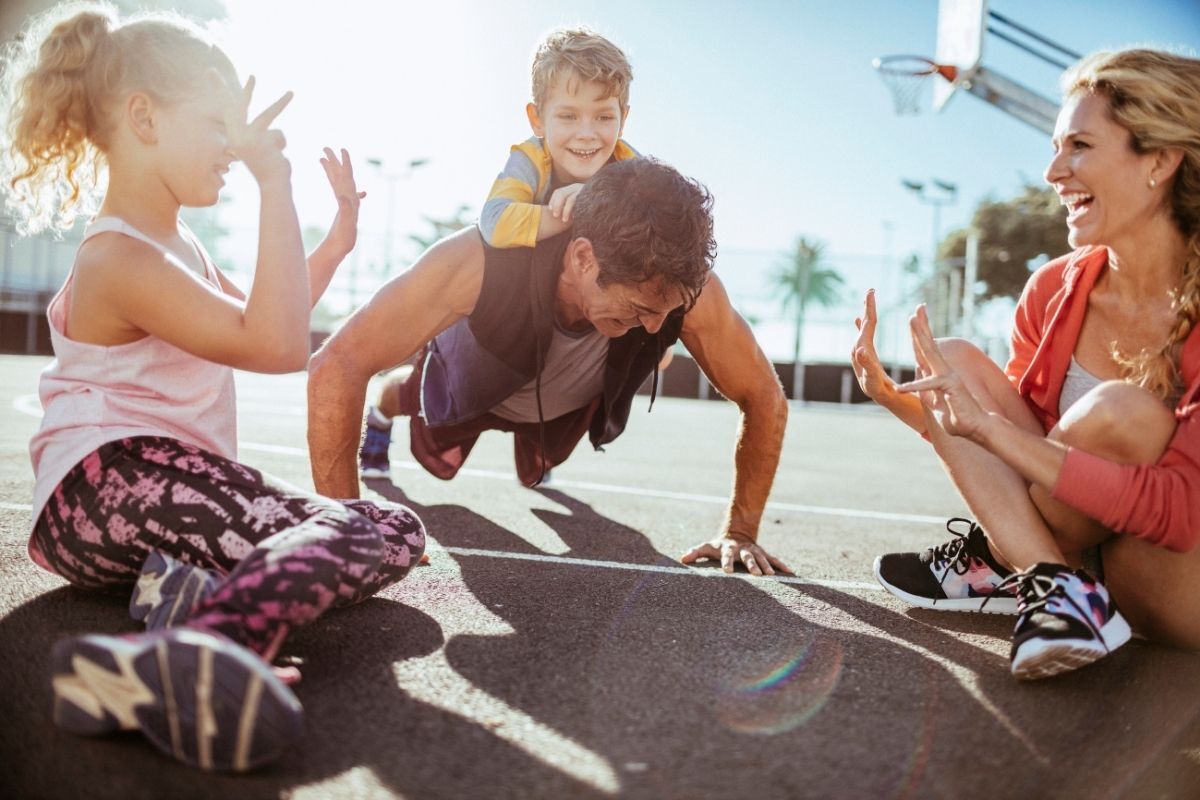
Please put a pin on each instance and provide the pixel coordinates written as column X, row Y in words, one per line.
column 804, row 692
column 679, row 686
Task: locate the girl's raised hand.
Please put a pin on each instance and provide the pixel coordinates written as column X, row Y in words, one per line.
column 344, row 231
column 941, row 389
column 256, row 143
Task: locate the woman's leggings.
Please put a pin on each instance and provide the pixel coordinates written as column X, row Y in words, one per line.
column 287, row 555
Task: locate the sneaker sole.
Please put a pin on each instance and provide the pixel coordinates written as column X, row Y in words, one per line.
column 195, row 696
column 1044, row 658
column 370, row 474
column 997, row 605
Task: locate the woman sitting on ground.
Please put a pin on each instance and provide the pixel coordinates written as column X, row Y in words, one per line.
column 1081, row 460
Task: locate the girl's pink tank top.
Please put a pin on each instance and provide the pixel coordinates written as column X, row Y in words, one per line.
column 92, row 394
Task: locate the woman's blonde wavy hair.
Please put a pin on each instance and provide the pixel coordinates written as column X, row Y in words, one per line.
column 1156, row 97
column 62, row 79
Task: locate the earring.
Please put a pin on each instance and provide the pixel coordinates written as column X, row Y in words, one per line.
column 1153, row 183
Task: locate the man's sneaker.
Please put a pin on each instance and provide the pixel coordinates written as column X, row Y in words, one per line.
column 169, row 590
column 1067, row 621
column 958, row 575
column 373, row 457
column 198, row 697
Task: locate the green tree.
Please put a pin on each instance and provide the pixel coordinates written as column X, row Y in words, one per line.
column 800, row 280
column 442, row 227
column 1012, row 233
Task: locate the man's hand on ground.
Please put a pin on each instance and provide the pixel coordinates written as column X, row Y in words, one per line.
column 734, row 547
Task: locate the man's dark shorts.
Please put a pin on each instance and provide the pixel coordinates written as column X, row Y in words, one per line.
column 443, row 450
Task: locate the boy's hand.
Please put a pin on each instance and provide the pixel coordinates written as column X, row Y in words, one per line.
column 256, row 144
column 562, row 202
column 344, row 231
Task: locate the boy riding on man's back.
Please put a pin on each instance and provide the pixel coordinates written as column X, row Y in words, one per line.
column 580, row 89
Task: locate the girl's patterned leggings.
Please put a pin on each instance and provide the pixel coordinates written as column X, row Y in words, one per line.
column 287, row 555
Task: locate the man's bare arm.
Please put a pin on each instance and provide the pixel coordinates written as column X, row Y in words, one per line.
column 725, row 349
column 440, row 288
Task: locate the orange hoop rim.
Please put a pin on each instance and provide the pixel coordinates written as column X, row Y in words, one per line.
column 910, row 66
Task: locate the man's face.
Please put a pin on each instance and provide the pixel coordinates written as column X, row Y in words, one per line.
column 617, row 308
column 579, row 125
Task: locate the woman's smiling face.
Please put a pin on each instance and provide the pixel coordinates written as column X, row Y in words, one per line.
column 1100, row 178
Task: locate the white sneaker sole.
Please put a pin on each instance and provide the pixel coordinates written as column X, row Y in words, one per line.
column 997, row 605
column 372, row 474
column 1045, row 658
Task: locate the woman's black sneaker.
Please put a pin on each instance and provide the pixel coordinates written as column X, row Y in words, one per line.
column 959, row 575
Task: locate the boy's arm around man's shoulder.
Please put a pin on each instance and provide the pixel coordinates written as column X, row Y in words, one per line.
column 402, row 317
column 511, row 216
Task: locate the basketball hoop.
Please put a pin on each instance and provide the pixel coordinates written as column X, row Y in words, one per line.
column 905, row 77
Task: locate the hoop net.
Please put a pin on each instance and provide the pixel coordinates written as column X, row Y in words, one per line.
column 906, row 77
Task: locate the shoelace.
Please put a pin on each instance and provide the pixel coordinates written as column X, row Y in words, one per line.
column 955, row 550
column 1042, row 589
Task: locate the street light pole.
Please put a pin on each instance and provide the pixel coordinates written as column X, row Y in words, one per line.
column 947, row 194
column 393, row 179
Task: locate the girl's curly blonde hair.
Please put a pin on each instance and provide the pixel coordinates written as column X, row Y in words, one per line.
column 61, row 81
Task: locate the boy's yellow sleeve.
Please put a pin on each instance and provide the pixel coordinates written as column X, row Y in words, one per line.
column 511, row 214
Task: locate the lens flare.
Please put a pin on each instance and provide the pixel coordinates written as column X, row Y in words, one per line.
column 782, row 695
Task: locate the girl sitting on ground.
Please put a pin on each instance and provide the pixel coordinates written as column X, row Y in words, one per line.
column 137, row 486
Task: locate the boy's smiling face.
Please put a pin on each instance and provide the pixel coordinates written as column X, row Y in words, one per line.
column 579, row 125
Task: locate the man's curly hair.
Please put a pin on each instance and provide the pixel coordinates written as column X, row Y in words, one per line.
column 647, row 222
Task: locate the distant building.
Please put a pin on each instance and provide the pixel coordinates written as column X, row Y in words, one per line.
column 32, row 268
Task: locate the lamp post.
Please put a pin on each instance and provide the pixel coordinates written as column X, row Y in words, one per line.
column 936, row 193
column 393, row 179
column 897, row 306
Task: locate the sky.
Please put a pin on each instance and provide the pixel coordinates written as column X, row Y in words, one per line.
column 773, row 105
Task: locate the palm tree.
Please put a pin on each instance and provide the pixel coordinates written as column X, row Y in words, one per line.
column 442, row 228
column 802, row 278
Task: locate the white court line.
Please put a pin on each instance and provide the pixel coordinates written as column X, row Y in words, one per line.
column 589, row 562
column 663, row 494
column 28, row 404
column 698, row 573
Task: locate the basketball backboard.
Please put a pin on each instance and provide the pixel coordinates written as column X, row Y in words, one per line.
column 960, row 30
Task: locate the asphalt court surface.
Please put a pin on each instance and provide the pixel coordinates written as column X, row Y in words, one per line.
column 555, row 648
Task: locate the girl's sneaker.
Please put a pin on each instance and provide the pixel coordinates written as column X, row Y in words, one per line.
column 169, row 590
column 959, row 575
column 1067, row 620
column 197, row 696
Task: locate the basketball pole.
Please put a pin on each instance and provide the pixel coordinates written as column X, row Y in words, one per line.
column 1012, row 98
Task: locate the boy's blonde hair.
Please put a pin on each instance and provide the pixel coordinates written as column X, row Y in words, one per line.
column 1155, row 96
column 60, row 81
column 584, row 55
